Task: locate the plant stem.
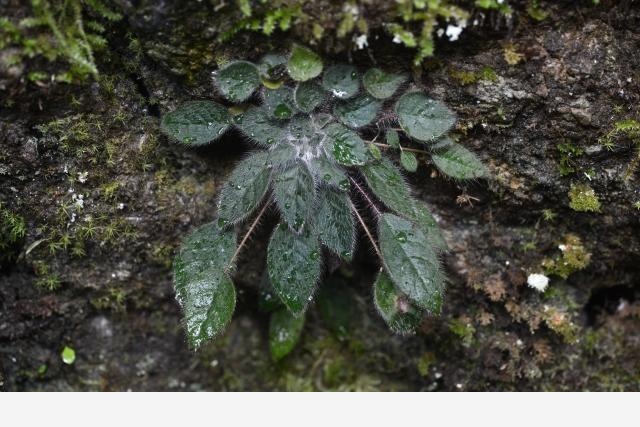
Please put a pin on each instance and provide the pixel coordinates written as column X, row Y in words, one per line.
column 366, row 230
column 415, row 150
column 366, row 196
column 252, row 227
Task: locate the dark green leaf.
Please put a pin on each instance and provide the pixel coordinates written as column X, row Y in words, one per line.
column 345, row 146
column 284, row 332
column 244, row 189
column 411, row 262
column 238, row 80
column 293, row 262
column 335, row 225
column 327, row 171
column 382, row 85
column 337, row 307
column 196, row 122
column 257, row 124
column 357, row 112
column 272, row 67
column 268, row 300
column 203, row 289
column 423, row 118
column 420, row 215
column 279, row 102
column 341, row 81
column 408, row 161
column 458, row 162
column 392, row 138
column 295, row 194
column 308, row 96
column 394, row 307
column 387, row 183
column 304, row 64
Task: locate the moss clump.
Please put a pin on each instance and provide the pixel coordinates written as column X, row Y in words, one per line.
column 12, row 230
column 574, row 257
column 465, row 78
column 583, row 198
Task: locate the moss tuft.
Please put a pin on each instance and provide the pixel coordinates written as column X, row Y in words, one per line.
column 583, row 198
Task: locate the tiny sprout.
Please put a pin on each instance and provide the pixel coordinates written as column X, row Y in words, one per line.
column 320, row 161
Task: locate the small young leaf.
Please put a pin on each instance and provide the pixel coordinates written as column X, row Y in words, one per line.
column 279, row 102
column 408, row 161
column 411, row 262
column 341, row 81
column 295, row 194
column 203, row 289
column 304, row 64
column 328, row 172
column 380, row 84
column 392, row 138
column 387, row 183
column 357, row 112
column 244, row 189
column 337, row 307
column 293, row 262
column 257, row 124
column 375, row 152
column 423, row 118
column 334, row 223
column 458, row 162
column 394, row 307
column 308, row 96
column 284, row 332
column 269, row 66
column 345, row 146
column 238, row 80
column 196, row 122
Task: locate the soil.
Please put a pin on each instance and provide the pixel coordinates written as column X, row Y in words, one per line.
column 106, row 199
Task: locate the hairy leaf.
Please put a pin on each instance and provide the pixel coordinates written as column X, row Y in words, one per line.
column 458, row 162
column 284, row 332
column 411, row 262
column 308, row 96
column 328, row 172
column 380, row 84
column 395, row 308
column 341, row 81
column 334, row 223
column 295, row 194
column 244, row 189
column 258, row 125
column 304, row 64
column 203, row 289
column 392, row 138
column 357, row 112
column 408, row 161
column 293, row 262
column 345, row 146
column 196, row 122
column 279, row 102
column 271, row 68
column 423, row 118
column 238, row 80
column 420, row 215
column 387, row 183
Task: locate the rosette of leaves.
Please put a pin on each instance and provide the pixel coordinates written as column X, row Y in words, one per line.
column 319, row 134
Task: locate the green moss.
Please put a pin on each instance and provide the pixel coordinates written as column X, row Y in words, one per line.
column 583, row 198
column 568, row 153
column 574, row 256
column 464, row 329
column 60, row 30
column 12, row 231
column 425, row 362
